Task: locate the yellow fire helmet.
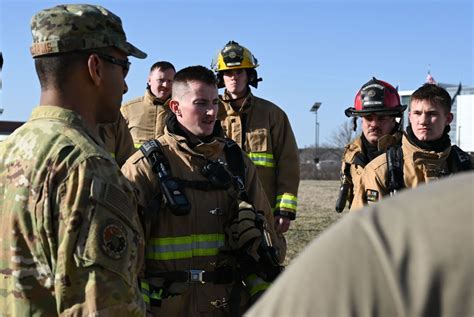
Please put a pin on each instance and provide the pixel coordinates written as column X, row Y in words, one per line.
column 235, row 56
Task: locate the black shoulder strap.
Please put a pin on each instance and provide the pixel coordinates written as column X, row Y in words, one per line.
column 235, row 161
column 395, row 169
column 153, row 151
column 459, row 160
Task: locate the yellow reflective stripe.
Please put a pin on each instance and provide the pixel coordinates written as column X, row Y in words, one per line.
column 145, row 290
column 112, row 154
column 156, row 295
column 262, row 159
column 286, row 201
column 171, row 248
column 256, row 284
column 144, row 285
column 137, row 145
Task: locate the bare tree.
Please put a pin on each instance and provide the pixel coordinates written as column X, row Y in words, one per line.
column 342, row 135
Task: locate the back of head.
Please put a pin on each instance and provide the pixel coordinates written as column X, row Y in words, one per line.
column 193, row 73
column 434, row 94
column 63, row 33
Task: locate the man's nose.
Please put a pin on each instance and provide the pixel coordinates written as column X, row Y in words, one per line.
column 125, row 88
column 211, row 111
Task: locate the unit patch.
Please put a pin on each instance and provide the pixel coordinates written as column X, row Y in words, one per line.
column 372, row 195
column 114, row 240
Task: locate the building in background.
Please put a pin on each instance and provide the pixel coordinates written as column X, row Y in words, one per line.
column 462, row 132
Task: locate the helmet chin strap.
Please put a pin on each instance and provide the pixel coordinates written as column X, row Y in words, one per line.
column 239, row 98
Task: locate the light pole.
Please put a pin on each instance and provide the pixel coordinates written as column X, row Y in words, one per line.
column 315, row 109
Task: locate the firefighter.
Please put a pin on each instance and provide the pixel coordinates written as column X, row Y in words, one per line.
column 261, row 129
column 146, row 115
column 378, row 104
column 425, row 154
column 204, row 210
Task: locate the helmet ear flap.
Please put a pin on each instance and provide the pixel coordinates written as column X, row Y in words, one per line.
column 220, row 80
column 253, row 77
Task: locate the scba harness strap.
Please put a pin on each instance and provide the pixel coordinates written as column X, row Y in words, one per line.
column 218, row 178
column 457, row 160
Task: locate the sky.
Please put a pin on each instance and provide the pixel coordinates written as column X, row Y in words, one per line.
column 308, row 51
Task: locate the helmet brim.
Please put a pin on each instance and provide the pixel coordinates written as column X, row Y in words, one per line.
column 396, row 112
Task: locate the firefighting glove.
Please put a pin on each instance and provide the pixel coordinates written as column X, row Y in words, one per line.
column 246, row 237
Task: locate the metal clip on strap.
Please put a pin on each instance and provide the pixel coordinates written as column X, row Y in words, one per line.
column 195, row 276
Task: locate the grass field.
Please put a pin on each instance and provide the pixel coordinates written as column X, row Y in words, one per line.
column 316, row 200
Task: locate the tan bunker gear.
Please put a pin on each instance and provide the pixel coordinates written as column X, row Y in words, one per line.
column 186, row 254
column 146, row 117
column 264, row 132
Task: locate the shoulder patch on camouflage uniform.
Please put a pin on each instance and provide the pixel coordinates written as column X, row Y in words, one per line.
column 114, row 239
column 372, row 195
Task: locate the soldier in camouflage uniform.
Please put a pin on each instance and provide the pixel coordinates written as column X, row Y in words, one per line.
column 72, row 243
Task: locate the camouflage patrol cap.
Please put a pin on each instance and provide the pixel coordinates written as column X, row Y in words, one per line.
column 74, row 27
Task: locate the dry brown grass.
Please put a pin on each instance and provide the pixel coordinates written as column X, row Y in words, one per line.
column 316, row 200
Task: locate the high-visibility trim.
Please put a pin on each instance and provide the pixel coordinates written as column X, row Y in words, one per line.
column 112, row 154
column 137, row 145
column 157, row 295
column 286, row 201
column 255, row 284
column 145, row 290
column 174, row 248
column 262, row 159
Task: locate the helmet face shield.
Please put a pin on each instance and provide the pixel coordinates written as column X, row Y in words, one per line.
column 233, row 55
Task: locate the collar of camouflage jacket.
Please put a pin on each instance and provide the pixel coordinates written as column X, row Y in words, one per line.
column 70, row 117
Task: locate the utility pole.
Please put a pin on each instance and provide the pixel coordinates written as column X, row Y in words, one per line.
column 315, row 109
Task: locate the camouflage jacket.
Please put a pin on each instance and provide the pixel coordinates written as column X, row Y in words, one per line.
column 72, row 241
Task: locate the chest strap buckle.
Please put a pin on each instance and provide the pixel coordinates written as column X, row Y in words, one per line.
column 195, row 276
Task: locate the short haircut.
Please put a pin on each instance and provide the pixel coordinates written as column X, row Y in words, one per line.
column 56, row 69
column 163, row 65
column 194, row 73
column 434, row 94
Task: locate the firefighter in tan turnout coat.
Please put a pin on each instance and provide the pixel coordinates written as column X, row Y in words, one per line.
column 203, row 237
column 146, row 115
column 261, row 128
column 377, row 103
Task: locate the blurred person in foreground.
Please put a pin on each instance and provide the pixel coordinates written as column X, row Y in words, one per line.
column 411, row 255
column 72, row 242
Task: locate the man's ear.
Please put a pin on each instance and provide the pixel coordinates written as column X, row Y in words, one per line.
column 449, row 118
column 174, row 106
column 96, row 71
